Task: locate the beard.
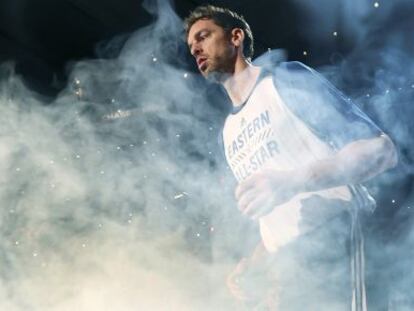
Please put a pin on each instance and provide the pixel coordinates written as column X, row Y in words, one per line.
column 220, row 68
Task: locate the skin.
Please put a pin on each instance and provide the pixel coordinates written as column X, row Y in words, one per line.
column 220, row 58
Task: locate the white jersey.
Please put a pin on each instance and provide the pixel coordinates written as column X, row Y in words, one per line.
column 263, row 134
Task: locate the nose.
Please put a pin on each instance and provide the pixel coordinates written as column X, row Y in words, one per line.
column 196, row 49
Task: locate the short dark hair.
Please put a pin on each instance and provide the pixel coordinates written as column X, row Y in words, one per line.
column 224, row 18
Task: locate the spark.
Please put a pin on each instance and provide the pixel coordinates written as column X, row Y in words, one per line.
column 180, row 195
column 305, row 53
column 376, row 4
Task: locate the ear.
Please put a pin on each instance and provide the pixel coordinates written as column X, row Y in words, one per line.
column 237, row 37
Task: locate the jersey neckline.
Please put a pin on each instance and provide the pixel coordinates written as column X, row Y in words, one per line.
column 263, row 73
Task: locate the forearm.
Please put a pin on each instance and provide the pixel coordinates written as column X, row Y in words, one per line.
column 355, row 163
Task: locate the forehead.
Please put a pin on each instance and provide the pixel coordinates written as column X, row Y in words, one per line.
column 200, row 25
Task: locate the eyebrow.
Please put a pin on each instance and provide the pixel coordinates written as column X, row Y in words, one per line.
column 197, row 34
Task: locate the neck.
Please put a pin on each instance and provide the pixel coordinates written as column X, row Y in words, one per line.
column 240, row 83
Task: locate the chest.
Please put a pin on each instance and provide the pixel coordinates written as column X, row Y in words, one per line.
column 265, row 133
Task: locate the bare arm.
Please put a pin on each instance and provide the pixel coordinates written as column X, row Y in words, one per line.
column 354, row 163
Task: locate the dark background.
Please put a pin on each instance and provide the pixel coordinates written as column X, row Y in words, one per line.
column 44, row 36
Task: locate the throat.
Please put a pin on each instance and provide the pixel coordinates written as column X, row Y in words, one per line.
column 239, row 87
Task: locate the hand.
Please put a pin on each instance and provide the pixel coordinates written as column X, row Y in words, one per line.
column 252, row 284
column 234, row 281
column 259, row 194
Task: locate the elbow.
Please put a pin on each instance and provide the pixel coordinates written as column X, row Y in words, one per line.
column 389, row 153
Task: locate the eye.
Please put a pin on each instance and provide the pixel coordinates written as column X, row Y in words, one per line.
column 204, row 35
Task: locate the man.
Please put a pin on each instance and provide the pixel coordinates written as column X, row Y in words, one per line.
column 299, row 150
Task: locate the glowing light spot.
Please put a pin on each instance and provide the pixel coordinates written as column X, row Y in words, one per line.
column 335, row 33
column 144, row 142
column 177, row 135
column 112, row 100
column 180, row 195
column 210, row 128
column 118, row 148
column 102, row 172
column 305, row 53
column 154, row 59
column 376, row 4
column 393, row 201
column 17, row 169
column 77, row 81
column 212, row 229
column 77, row 156
column 131, row 145
column 34, row 254
column 412, row 85
column 83, row 245
column 129, row 221
column 198, row 235
column 185, row 75
column 368, row 95
column 387, row 91
column 17, row 242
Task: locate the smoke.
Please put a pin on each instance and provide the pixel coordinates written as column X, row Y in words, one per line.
column 378, row 75
column 108, row 193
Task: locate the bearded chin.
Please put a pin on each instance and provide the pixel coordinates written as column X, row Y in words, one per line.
column 217, row 76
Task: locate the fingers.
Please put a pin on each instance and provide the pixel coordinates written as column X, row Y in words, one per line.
column 246, row 185
column 245, row 198
column 234, row 281
column 257, row 207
